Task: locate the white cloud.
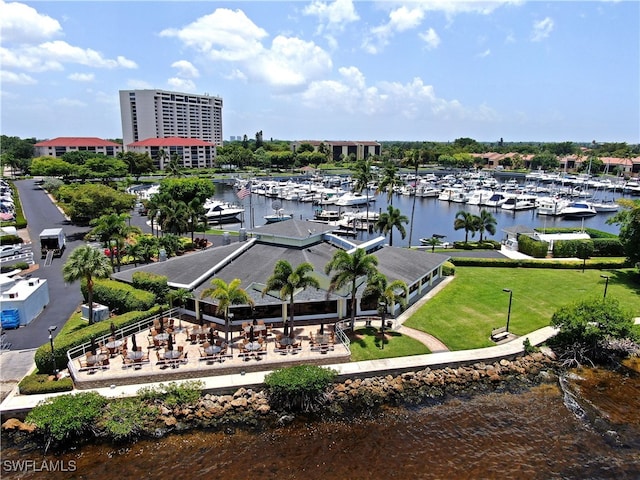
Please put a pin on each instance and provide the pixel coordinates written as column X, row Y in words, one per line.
column 181, row 84
column 334, row 16
column 69, row 102
column 136, row 84
column 81, row 77
column 229, row 36
column 21, row 23
column 186, row 69
column 16, row 78
column 542, row 29
column 400, row 20
column 431, row 38
column 484, row 54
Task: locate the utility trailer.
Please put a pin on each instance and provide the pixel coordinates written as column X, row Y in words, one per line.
column 52, row 242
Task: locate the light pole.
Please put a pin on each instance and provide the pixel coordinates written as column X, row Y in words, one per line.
column 510, row 298
column 229, row 326
column 53, row 355
column 606, row 285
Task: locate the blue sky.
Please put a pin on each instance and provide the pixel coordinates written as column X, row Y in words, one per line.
column 331, row 70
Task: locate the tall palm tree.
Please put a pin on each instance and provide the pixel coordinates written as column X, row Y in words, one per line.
column 389, row 181
column 347, row 269
column 415, row 159
column 195, row 212
column 485, row 223
column 173, row 168
column 163, row 157
column 288, row 280
column 433, row 242
column 362, row 176
column 465, row 220
column 389, row 220
column 87, row 263
column 385, row 293
column 227, row 294
column 174, row 217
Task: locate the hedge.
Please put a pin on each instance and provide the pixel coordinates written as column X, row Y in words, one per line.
column 599, row 264
column 10, row 240
column 64, row 341
column 607, row 247
column 119, row 296
column 531, row 247
column 38, row 383
column 592, row 232
column 151, row 282
column 484, row 245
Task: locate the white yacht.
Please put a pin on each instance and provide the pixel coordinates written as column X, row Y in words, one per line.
column 221, row 212
column 452, row 194
column 605, row 206
column 578, row 210
column 551, row 206
column 497, row 199
column 520, row 202
column 477, row 197
column 350, row 199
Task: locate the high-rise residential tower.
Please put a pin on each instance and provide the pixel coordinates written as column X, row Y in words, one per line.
column 161, row 114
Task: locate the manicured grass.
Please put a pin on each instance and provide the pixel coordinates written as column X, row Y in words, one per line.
column 367, row 344
column 463, row 314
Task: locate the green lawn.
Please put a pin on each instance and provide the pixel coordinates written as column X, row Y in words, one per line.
column 366, row 344
column 463, row 313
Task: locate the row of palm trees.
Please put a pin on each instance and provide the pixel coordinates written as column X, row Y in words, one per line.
column 485, row 222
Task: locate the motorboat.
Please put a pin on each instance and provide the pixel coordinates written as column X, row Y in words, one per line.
column 278, row 216
column 551, row 206
column 453, row 194
column 327, row 215
column 221, row 212
column 578, row 210
column 496, row 200
column 520, row 202
column 476, row 197
column 605, row 206
column 350, row 199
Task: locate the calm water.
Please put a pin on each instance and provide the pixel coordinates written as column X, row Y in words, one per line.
column 534, row 435
column 432, row 216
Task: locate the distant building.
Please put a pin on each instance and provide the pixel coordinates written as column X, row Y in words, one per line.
column 340, row 149
column 61, row 145
column 161, row 114
column 22, row 299
column 191, row 152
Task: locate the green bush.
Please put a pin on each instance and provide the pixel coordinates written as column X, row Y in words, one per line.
column 533, row 248
column 607, row 247
column 151, row 282
column 593, row 233
column 599, row 264
column 301, row 387
column 38, row 383
column 67, row 416
column 448, row 269
column 65, row 341
column 173, row 394
column 120, row 296
column 15, row 266
column 124, row 418
column 10, row 240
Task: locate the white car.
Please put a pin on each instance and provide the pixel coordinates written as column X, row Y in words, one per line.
column 10, row 250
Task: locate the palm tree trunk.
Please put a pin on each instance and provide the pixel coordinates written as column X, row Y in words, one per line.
column 90, row 299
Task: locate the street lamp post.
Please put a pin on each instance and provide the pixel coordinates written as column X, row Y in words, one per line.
column 508, row 290
column 52, row 328
column 606, row 285
column 229, row 325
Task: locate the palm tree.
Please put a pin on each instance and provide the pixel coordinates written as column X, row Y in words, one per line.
column 195, row 211
column 174, row 217
column 416, row 164
column 383, row 292
column 173, row 169
column 112, row 229
column 348, row 268
column 362, row 176
column 433, row 242
column 288, row 280
column 227, row 294
column 389, row 220
column 163, row 156
column 389, row 181
column 485, row 223
column 87, row 263
column 465, row 220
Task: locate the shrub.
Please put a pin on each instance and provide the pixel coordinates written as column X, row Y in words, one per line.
column 120, row 296
column 533, row 248
column 173, row 394
column 124, row 418
column 607, row 247
column 10, row 240
column 301, row 387
column 151, row 282
column 448, row 269
column 67, row 416
column 38, row 383
column 15, row 266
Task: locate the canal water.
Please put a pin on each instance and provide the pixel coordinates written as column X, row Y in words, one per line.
column 432, row 216
column 585, row 427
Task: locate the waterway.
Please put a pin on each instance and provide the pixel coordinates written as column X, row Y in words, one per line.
column 432, row 216
column 586, row 427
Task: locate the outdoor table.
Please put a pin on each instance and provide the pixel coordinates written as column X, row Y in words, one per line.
column 252, row 346
column 256, row 328
column 162, row 337
column 113, row 346
column 172, row 355
column 212, row 349
column 135, row 355
column 287, row 341
column 322, row 338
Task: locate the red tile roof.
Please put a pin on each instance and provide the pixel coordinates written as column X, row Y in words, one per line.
column 171, row 142
column 77, row 142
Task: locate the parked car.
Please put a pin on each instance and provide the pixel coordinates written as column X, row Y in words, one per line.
column 10, row 250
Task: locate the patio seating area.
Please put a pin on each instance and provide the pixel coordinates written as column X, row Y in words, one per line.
column 178, row 350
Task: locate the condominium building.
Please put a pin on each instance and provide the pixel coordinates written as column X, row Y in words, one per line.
column 57, row 147
column 340, row 149
column 190, row 152
column 160, row 114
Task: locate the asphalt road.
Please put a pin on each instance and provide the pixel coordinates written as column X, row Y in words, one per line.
column 64, row 298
